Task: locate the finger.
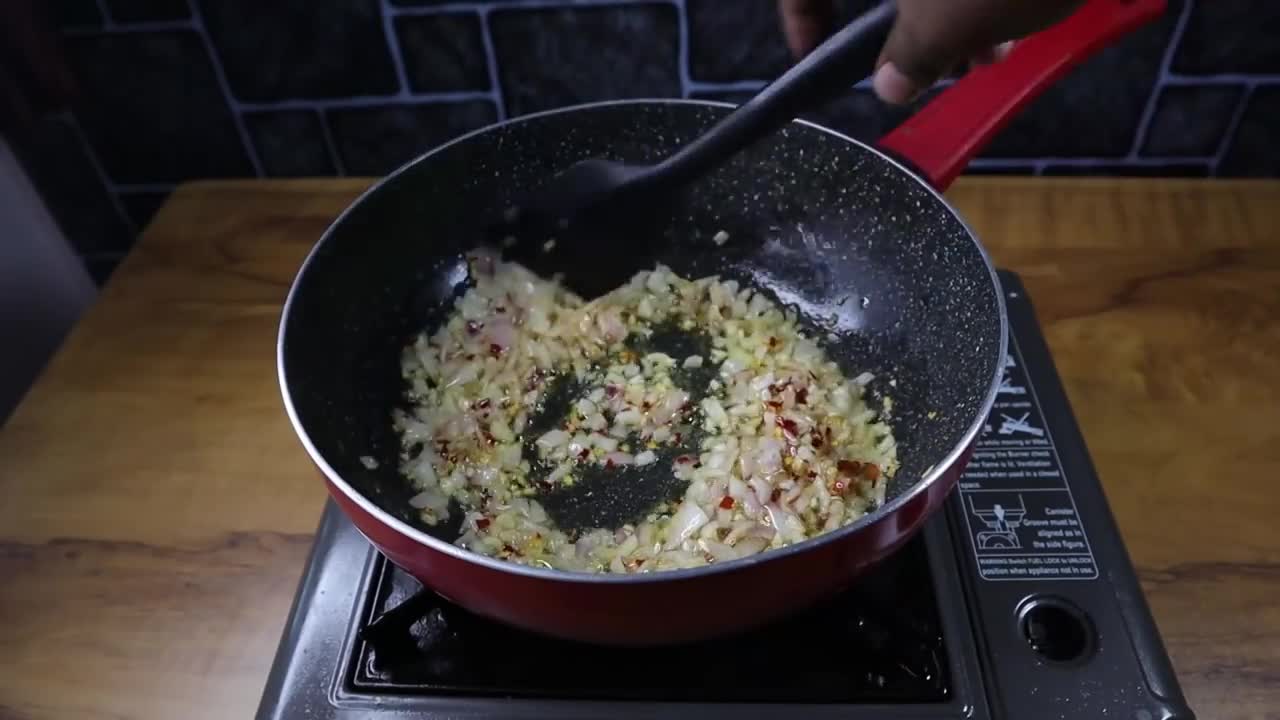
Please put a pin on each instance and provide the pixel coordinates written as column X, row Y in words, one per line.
column 806, row 23
column 914, row 58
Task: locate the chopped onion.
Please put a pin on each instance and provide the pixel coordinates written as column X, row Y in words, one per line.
column 671, row 405
column 618, row 458
column 685, row 522
column 553, row 440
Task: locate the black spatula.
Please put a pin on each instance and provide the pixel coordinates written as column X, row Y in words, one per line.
column 596, row 222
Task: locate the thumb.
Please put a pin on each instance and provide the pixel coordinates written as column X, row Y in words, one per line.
column 915, row 56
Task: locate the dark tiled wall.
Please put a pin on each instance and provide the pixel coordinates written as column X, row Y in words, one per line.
column 180, row 89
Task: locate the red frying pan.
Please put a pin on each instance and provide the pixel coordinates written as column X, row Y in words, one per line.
column 827, row 217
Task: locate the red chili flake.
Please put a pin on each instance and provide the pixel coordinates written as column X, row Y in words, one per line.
column 816, row 438
column 646, row 405
column 788, row 426
column 802, row 396
column 482, row 523
column 775, row 495
column 483, row 404
column 871, row 471
column 611, row 390
column 473, row 327
column 773, row 342
column 812, row 474
column 849, row 467
column 508, row 549
column 679, row 437
column 775, row 404
column 583, row 454
column 495, row 349
column 608, row 464
column 726, row 502
column 639, row 562
column 684, row 459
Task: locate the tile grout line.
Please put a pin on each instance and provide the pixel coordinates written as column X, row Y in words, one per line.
column 1085, row 162
column 1223, row 80
column 326, row 135
column 94, row 161
column 364, row 101
column 491, row 63
column 106, row 14
column 224, row 86
column 487, row 5
column 683, row 49
column 1229, row 136
column 392, row 43
column 1157, row 88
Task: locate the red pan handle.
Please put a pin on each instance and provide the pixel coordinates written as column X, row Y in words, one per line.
column 946, row 134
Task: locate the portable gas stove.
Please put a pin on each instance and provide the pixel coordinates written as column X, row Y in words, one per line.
column 1019, row 601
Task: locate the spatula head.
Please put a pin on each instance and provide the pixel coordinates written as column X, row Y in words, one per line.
column 594, row 225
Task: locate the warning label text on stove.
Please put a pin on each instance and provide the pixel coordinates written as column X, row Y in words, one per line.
column 1021, row 517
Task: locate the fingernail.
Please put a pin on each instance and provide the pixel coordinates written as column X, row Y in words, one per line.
column 892, row 86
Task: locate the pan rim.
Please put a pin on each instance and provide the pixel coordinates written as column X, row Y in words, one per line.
column 880, row 514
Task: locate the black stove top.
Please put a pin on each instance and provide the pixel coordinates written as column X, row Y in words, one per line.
column 1018, row 601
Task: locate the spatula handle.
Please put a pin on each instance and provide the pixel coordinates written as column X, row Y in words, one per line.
column 831, row 69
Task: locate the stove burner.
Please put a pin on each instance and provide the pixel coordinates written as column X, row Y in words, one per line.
column 1017, row 601
column 878, row 642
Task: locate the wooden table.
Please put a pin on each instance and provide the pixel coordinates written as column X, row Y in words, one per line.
column 156, row 509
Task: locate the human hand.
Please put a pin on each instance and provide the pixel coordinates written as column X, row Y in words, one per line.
column 931, row 38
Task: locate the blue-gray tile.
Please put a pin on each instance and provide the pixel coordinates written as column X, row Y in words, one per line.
column 133, row 11
column 287, row 49
column 1191, row 120
column 732, row 41
column 141, row 206
column 377, row 140
column 1120, row 169
column 1094, row 111
column 1255, row 149
column 75, row 13
column 554, row 57
column 63, row 172
column 290, row 143
column 743, row 40
column 1230, row 36
column 152, row 108
column 444, row 52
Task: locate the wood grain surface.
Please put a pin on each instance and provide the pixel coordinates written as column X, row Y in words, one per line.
column 156, row 508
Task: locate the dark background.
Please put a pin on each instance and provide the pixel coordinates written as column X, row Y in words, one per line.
column 171, row 90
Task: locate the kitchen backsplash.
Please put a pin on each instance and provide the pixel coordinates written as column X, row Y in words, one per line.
column 172, row 90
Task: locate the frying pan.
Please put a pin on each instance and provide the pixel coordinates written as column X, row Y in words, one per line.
column 857, row 239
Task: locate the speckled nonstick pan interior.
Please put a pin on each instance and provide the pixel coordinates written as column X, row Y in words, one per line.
column 862, row 249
